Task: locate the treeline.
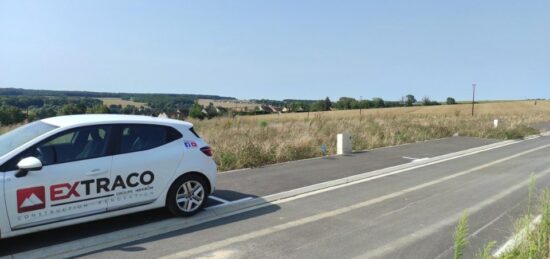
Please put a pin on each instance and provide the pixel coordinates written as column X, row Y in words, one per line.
column 347, row 103
column 168, row 103
column 295, row 105
column 16, row 109
column 18, row 105
column 125, row 96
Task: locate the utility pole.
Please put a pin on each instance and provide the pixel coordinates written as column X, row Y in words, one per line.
column 360, row 105
column 473, row 98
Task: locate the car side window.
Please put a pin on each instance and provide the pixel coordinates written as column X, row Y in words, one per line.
column 73, row 145
column 139, row 137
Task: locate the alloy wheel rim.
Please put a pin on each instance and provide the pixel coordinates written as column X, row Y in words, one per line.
column 190, row 196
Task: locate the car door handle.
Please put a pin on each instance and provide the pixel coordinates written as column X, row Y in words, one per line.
column 97, row 172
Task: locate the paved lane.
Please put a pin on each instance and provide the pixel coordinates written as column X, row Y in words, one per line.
column 406, row 215
column 245, row 184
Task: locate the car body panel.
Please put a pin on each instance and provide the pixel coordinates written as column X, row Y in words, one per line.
column 150, row 171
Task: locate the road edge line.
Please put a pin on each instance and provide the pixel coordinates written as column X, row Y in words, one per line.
column 516, row 239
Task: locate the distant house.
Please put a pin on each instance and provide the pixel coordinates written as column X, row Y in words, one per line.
column 275, row 109
column 163, row 115
column 268, row 109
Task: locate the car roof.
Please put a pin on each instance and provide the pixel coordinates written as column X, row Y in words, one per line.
column 92, row 119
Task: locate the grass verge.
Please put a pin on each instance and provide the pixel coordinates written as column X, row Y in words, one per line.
column 533, row 241
column 253, row 141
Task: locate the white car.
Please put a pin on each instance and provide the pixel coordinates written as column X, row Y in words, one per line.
column 71, row 169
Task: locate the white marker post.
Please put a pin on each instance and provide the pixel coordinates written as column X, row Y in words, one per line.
column 343, row 144
column 495, row 123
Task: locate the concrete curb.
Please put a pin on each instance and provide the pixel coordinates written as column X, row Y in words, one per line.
column 104, row 241
column 516, row 240
column 542, row 134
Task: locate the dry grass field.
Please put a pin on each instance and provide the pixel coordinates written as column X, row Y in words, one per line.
column 117, row 101
column 234, row 105
column 250, row 141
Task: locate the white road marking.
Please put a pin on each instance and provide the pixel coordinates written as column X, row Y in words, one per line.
column 430, row 230
column 358, row 179
column 228, row 203
column 218, row 199
column 270, row 230
column 515, row 240
column 223, row 254
column 444, row 254
column 98, row 242
column 414, row 160
column 243, row 199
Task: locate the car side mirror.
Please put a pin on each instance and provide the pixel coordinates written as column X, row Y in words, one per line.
column 28, row 164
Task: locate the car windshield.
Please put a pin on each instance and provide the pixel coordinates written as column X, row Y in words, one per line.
column 17, row 137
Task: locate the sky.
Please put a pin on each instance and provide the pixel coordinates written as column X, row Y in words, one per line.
column 280, row 49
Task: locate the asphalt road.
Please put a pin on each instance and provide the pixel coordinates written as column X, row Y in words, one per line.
column 252, row 183
column 407, row 215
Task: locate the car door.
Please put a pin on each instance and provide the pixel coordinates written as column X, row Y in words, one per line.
column 145, row 162
column 76, row 166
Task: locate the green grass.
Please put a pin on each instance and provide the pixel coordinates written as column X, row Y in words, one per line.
column 535, row 243
column 461, row 236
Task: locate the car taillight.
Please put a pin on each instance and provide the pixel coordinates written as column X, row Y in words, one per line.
column 207, row 151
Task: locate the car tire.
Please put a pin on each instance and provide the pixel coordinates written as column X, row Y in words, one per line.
column 187, row 195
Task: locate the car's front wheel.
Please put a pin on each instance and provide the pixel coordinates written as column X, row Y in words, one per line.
column 187, row 195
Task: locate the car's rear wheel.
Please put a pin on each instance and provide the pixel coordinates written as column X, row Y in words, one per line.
column 187, row 195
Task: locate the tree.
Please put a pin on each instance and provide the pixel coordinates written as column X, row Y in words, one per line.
column 211, row 111
column 98, row 109
column 10, row 115
column 426, row 101
column 46, row 112
column 410, row 100
column 71, row 108
column 196, row 111
column 346, row 103
column 451, row 100
column 317, row 106
column 327, row 104
column 296, row 107
column 130, row 109
column 377, row 102
column 115, row 108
